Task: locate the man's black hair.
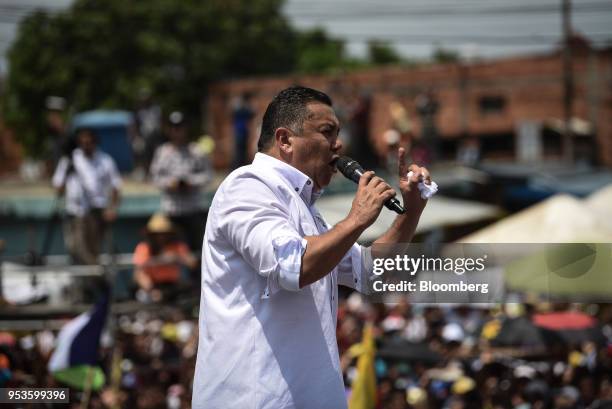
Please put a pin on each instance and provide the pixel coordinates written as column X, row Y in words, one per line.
column 71, row 142
column 288, row 109
column 88, row 130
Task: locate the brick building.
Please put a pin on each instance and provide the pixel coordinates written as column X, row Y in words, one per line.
column 490, row 100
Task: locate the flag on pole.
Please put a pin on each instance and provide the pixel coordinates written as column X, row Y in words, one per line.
column 75, row 357
column 363, row 393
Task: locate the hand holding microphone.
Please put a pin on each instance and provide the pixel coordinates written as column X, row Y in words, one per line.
column 353, row 171
column 415, row 184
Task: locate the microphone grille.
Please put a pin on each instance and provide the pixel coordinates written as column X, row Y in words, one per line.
column 347, row 166
column 343, row 162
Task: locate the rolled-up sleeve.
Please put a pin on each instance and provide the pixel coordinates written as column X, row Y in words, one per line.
column 288, row 251
column 258, row 226
column 355, row 269
column 350, row 268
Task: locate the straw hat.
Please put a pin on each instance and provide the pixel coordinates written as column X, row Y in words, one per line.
column 416, row 395
column 158, row 223
column 463, row 385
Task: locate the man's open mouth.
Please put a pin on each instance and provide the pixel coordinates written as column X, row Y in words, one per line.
column 332, row 163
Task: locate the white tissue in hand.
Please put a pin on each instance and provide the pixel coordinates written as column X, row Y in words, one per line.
column 427, row 191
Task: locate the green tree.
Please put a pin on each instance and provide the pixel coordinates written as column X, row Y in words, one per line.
column 381, row 53
column 317, row 53
column 99, row 53
column 443, row 55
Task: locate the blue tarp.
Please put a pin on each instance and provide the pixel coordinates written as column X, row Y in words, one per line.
column 112, row 128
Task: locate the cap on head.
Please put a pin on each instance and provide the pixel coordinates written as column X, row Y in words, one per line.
column 176, row 118
column 55, row 103
column 158, row 223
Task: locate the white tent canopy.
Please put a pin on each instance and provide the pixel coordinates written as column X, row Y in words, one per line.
column 559, row 219
column 600, row 203
column 440, row 211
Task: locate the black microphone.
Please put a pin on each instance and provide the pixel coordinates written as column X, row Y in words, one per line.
column 353, row 171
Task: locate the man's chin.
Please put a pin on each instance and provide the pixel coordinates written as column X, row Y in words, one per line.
column 323, row 183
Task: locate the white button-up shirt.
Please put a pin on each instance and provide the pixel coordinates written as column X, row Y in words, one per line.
column 264, row 343
column 88, row 181
column 171, row 163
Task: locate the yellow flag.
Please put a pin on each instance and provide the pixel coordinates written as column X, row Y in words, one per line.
column 363, row 395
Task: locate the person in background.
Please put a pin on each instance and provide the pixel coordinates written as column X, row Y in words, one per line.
column 362, row 149
column 148, row 123
column 427, row 107
column 158, row 260
column 392, row 139
column 91, row 183
column 469, row 152
column 242, row 115
column 58, row 138
column 181, row 171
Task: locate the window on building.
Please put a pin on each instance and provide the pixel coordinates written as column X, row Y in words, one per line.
column 492, row 104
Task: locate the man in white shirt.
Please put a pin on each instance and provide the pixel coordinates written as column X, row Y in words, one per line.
column 271, row 265
column 182, row 172
column 90, row 180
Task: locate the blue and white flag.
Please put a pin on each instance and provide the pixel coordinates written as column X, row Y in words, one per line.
column 76, row 352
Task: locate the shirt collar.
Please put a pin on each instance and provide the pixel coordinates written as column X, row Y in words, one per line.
column 298, row 181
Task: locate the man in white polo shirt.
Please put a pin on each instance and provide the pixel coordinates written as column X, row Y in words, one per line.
column 90, row 180
column 271, row 265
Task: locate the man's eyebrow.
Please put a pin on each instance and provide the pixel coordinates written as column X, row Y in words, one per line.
column 329, row 122
column 328, row 126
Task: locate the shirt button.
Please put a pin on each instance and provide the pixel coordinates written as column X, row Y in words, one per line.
column 308, row 182
column 356, row 281
column 297, row 189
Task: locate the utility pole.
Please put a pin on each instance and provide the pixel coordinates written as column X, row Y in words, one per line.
column 568, row 82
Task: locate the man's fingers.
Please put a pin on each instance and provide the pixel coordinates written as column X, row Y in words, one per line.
column 384, row 195
column 414, row 168
column 387, row 194
column 426, row 176
column 365, row 178
column 420, row 174
column 415, row 176
column 381, row 187
column 401, row 160
column 375, row 181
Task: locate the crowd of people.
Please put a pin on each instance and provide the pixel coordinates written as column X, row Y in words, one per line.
column 448, row 359
column 453, row 357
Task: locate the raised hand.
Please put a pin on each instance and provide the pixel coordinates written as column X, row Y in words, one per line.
column 409, row 187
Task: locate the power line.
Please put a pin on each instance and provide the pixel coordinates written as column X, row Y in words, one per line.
column 452, row 38
column 376, row 11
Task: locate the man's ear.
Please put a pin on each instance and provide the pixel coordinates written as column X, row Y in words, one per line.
column 283, row 140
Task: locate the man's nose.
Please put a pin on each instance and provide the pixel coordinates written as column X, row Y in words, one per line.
column 337, row 146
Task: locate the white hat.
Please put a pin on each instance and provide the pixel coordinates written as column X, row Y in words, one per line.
column 452, row 332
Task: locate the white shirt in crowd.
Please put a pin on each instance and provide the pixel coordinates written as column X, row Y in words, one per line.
column 88, row 180
column 264, row 343
column 171, row 163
